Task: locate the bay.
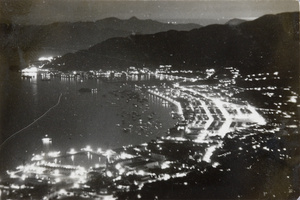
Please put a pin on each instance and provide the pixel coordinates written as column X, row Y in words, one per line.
column 109, row 118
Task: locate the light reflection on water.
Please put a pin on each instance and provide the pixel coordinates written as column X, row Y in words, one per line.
column 78, row 120
column 32, row 76
column 158, row 101
column 140, row 77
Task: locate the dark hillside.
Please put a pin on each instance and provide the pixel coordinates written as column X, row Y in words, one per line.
column 270, row 43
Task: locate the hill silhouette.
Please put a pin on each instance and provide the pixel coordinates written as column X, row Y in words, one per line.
column 268, row 43
column 22, row 44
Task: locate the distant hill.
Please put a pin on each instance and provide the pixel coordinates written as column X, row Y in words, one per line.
column 235, row 21
column 268, row 43
column 24, row 43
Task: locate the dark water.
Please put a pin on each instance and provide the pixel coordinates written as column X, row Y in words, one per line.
column 79, row 119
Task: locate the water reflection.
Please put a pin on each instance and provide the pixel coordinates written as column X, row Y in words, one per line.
column 139, row 77
column 32, row 77
column 134, row 78
column 156, row 100
column 165, row 104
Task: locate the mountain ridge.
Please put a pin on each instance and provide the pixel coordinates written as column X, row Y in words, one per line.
column 267, row 43
column 235, row 21
column 66, row 37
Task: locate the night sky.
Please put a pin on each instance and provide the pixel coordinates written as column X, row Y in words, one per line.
column 202, row 11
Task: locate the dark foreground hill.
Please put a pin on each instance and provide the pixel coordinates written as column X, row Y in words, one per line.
column 20, row 44
column 266, row 44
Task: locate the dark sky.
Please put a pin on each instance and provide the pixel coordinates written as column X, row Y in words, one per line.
column 201, row 11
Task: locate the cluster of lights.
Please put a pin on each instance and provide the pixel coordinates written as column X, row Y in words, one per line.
column 81, row 172
column 30, row 70
column 46, row 58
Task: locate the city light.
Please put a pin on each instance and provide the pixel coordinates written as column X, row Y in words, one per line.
column 46, row 58
column 54, row 153
column 165, row 165
column 109, row 173
column 293, row 99
column 72, row 151
column 207, row 117
column 87, row 148
column 30, row 70
column 209, row 152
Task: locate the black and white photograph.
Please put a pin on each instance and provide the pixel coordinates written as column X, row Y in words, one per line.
column 146, row 99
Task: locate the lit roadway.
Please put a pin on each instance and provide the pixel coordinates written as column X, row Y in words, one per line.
column 53, row 155
column 253, row 117
column 225, row 118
